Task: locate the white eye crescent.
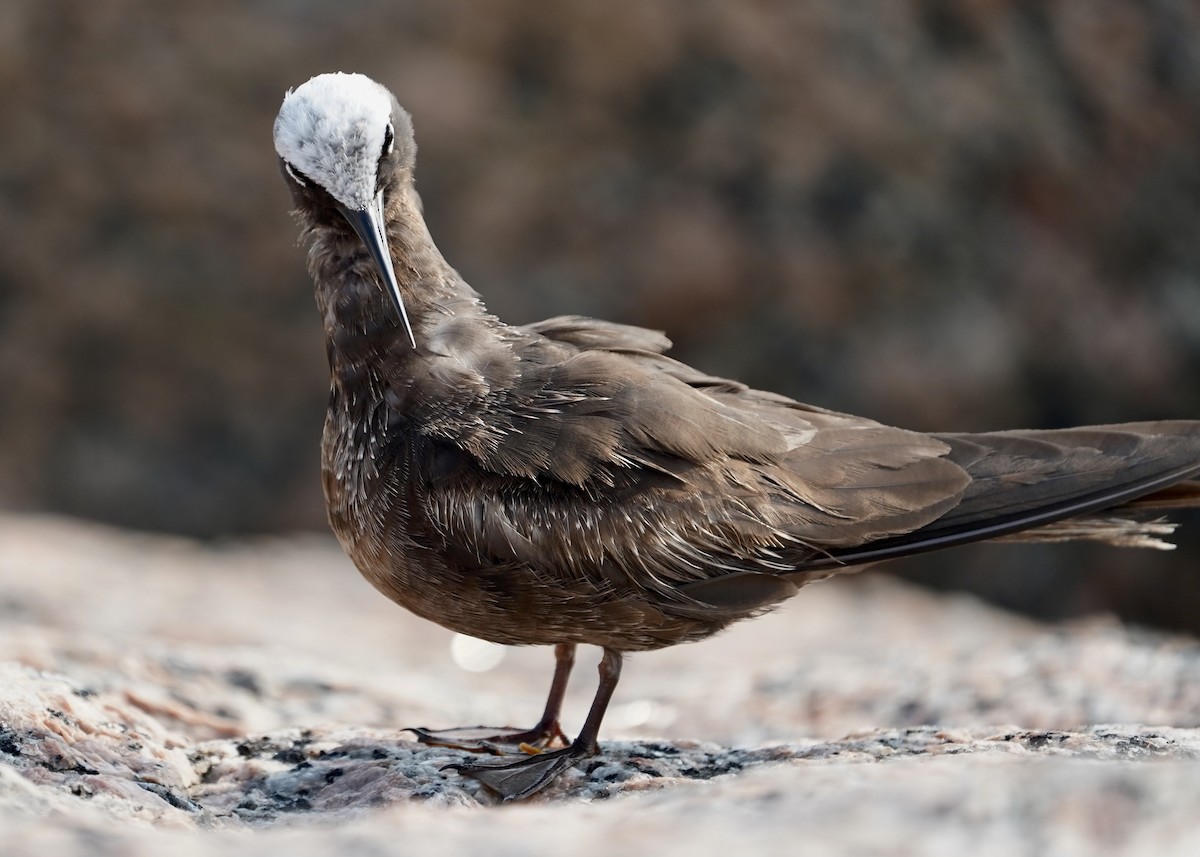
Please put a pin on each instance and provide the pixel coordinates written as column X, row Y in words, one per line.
column 295, row 174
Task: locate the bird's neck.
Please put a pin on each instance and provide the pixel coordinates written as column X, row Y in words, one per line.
column 362, row 324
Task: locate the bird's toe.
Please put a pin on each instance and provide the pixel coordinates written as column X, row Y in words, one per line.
column 524, row 777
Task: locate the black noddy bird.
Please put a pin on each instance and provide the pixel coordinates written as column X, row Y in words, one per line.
column 566, row 482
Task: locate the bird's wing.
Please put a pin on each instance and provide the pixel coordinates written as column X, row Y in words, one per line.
column 633, row 472
column 630, row 470
column 593, row 333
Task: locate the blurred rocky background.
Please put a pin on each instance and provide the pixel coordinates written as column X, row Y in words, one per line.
column 945, row 214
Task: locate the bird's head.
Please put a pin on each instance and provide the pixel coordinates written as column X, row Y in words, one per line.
column 343, row 141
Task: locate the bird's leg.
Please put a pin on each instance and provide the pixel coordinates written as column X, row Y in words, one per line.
column 484, row 739
column 520, row 779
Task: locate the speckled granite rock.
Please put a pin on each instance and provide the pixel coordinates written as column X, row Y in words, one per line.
column 158, row 695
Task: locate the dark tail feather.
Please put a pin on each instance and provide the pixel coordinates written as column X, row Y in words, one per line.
column 1055, row 486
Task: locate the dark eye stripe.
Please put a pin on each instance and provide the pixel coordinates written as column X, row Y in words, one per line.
column 389, row 137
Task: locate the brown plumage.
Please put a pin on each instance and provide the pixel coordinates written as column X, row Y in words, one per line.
column 566, row 482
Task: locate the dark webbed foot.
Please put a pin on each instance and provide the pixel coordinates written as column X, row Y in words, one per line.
column 527, row 776
column 491, row 739
column 524, row 777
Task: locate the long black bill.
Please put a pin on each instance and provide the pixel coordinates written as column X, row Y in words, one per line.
column 369, row 224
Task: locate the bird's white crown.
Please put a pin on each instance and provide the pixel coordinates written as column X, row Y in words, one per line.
column 332, row 130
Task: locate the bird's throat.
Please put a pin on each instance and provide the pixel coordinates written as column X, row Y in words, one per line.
column 362, row 324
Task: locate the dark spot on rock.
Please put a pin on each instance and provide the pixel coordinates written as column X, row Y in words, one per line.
column 13, row 607
column 244, row 679
column 84, row 692
column 713, row 768
column 1146, row 742
column 175, row 800
column 378, row 754
column 8, row 743
column 60, row 764
column 892, row 742
column 1041, row 739
column 1135, row 746
column 290, row 756
column 309, row 686
column 333, row 773
column 252, row 747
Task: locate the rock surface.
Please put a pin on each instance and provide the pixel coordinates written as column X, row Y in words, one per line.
column 158, row 695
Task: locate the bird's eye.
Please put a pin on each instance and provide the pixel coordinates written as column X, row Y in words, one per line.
column 389, row 138
column 297, row 176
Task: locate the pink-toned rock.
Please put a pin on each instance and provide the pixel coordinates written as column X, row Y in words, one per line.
column 158, row 695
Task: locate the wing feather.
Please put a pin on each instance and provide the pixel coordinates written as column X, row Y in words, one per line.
column 608, row 463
